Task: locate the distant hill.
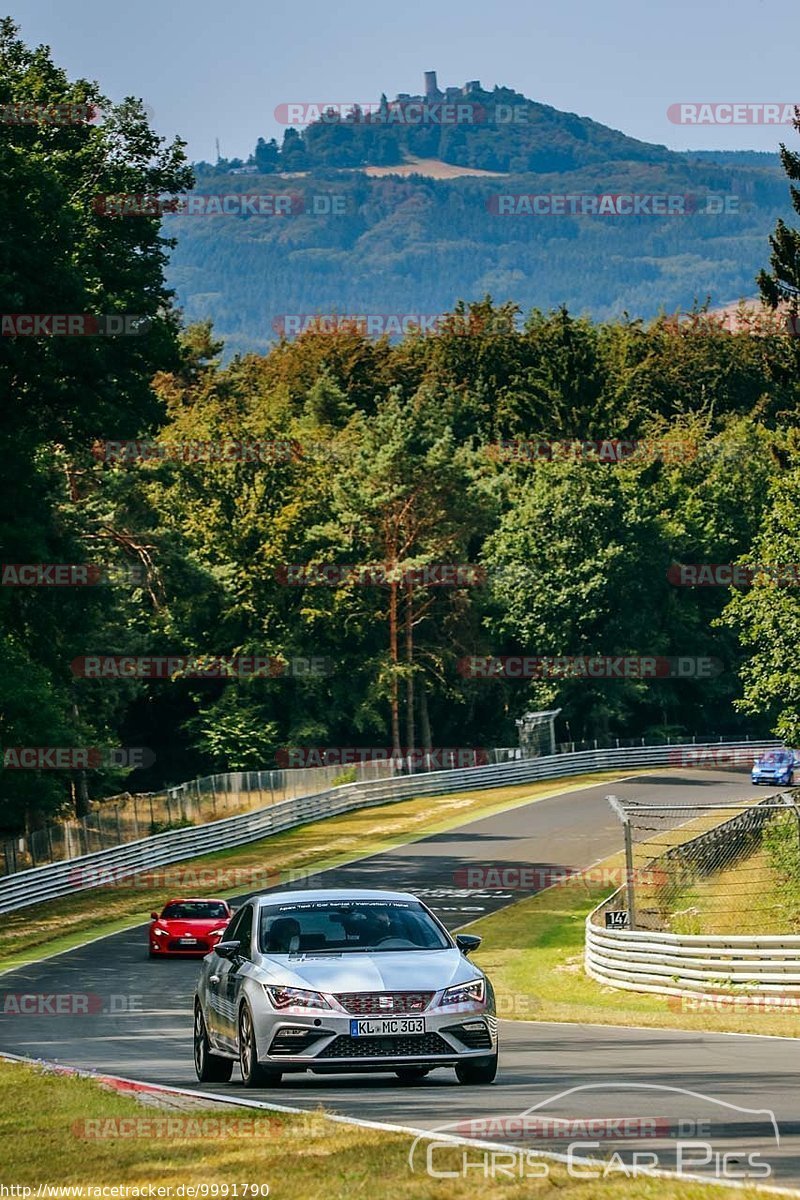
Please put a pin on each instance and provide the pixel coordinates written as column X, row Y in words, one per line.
column 362, row 238
column 468, row 126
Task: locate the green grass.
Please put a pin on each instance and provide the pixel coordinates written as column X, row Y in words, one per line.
column 45, row 929
column 533, row 952
column 43, row 1128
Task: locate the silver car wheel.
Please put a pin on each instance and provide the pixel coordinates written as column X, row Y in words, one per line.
column 245, row 1041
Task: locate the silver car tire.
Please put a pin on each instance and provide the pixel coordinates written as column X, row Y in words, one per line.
column 411, row 1074
column 209, row 1067
column 253, row 1073
column 477, row 1071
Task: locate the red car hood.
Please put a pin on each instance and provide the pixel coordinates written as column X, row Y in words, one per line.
column 182, row 928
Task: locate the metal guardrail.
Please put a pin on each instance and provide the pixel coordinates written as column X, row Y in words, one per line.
column 120, row 862
column 676, row 964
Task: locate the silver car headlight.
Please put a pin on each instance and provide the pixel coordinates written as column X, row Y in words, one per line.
column 160, row 933
column 288, row 997
column 464, row 993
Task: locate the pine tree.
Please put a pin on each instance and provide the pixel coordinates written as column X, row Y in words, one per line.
column 782, row 283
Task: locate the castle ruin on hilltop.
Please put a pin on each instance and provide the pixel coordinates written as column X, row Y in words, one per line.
column 432, row 92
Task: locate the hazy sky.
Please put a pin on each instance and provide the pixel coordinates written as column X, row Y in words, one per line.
column 218, row 68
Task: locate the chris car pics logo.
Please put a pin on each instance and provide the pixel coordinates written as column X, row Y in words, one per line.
column 606, row 1131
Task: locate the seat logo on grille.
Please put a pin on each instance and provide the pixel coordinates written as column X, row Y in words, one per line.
column 385, row 1002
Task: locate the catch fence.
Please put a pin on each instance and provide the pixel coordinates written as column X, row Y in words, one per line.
column 711, row 868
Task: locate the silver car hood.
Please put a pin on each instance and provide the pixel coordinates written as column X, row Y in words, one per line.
column 390, row 971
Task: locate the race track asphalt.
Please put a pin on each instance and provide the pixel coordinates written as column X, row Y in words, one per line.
column 139, row 1023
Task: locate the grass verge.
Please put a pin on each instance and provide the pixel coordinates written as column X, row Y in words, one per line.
column 45, row 929
column 48, row 1124
column 533, row 952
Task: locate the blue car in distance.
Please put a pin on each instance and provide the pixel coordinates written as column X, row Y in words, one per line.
column 775, row 766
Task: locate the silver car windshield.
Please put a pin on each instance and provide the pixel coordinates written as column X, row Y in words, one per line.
column 348, row 926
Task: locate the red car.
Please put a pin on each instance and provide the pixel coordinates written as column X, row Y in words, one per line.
column 188, row 927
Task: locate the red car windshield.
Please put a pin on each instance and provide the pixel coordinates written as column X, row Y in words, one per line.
column 195, row 910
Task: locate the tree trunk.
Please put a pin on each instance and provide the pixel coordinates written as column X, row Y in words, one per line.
column 410, row 724
column 82, row 788
column 424, row 721
column 393, row 655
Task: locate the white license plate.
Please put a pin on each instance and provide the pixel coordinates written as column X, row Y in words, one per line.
column 383, row 1026
column 188, row 941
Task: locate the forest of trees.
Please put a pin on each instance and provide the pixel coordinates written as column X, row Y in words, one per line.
column 416, row 245
column 384, row 456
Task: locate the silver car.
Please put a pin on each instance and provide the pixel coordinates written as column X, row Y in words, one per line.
column 342, row 981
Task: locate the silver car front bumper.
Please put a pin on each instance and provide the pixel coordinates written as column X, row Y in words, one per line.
column 325, row 1040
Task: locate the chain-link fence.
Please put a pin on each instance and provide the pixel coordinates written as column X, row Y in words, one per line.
column 652, row 739
column 712, row 868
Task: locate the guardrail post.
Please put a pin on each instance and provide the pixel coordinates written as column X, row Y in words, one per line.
column 796, row 810
column 619, row 809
